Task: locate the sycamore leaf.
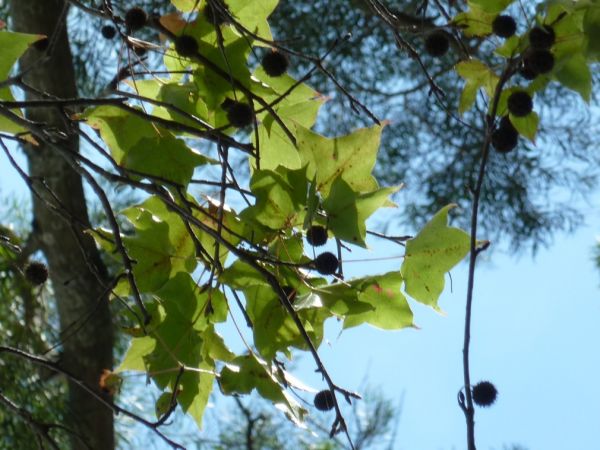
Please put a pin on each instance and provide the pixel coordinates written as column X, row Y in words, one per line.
column 248, row 372
column 12, row 47
column 352, row 157
column 477, row 75
column 185, row 5
column 526, row 125
column 274, row 329
column 348, row 210
column 376, row 300
column 576, row 75
column 390, row 310
column 280, row 197
column 477, row 21
column 429, row 255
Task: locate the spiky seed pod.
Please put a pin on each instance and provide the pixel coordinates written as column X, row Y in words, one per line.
column 316, row 235
column 36, row 273
column 520, row 103
column 437, row 43
column 239, row 114
column 542, row 37
column 108, row 32
column 135, row 18
column 504, row 26
column 326, row 263
column 505, row 137
column 186, row 45
column 275, row 63
column 526, row 71
column 227, row 103
column 484, row 393
column 290, row 293
column 324, row 400
column 541, row 61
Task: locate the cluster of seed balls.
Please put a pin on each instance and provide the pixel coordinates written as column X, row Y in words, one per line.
column 326, row 264
column 239, row 114
column 536, row 60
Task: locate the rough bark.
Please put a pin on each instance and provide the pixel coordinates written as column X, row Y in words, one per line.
column 76, row 271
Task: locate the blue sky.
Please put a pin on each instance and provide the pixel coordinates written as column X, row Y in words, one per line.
column 535, row 335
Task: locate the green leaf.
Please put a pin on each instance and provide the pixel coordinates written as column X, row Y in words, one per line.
column 164, row 157
column 591, row 27
column 247, row 373
column 280, row 198
column 576, row 75
column 241, row 275
column 492, row 6
column 299, row 108
column 477, row 21
column 340, row 298
column 119, row 129
column 177, row 341
column 347, row 210
column 163, row 404
column 195, row 393
column 477, row 75
column 429, row 255
column 352, row 157
column 151, row 251
column 570, row 38
column 231, row 230
column 138, row 349
column 511, row 47
column 273, row 327
column 390, row 310
column 185, row 5
column 183, row 302
column 253, row 15
column 12, row 47
column 160, row 245
column 526, row 125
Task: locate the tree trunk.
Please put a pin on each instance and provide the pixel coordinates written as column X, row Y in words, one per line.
column 76, row 271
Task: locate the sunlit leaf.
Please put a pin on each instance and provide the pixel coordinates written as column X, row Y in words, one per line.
column 429, row 255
